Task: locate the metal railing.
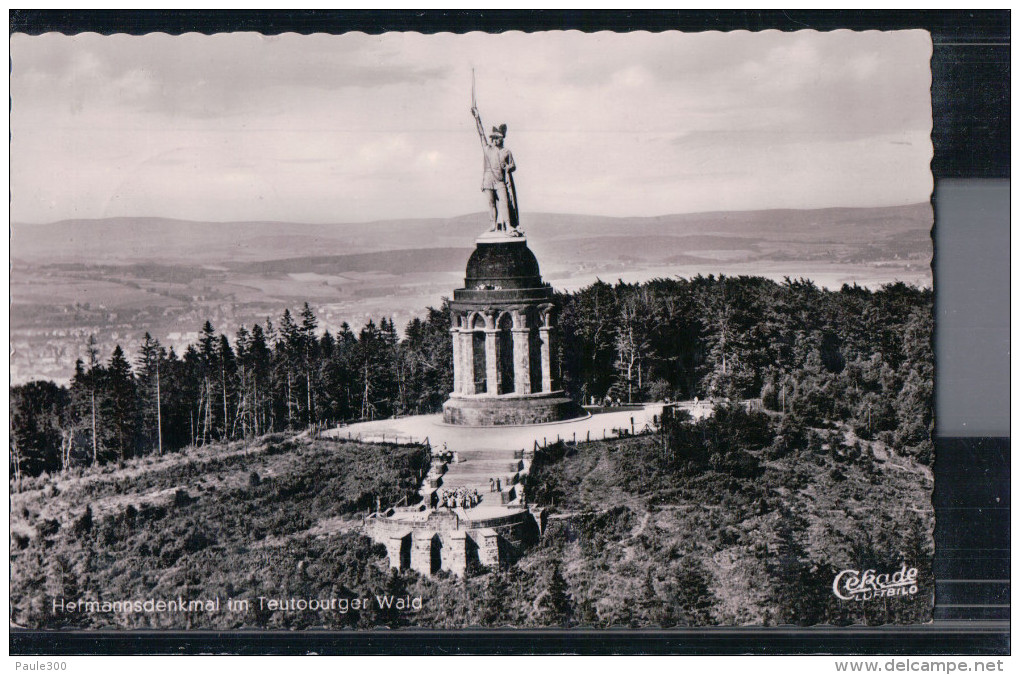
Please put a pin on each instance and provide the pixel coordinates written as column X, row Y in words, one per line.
column 385, row 439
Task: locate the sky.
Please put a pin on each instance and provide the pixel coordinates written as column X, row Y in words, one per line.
column 352, row 128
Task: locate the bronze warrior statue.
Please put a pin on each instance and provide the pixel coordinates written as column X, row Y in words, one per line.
column 497, row 178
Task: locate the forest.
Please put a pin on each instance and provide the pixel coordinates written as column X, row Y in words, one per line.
column 738, row 518
column 186, row 474
column 854, row 355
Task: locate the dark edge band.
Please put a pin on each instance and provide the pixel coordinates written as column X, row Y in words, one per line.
column 971, row 136
column 974, row 638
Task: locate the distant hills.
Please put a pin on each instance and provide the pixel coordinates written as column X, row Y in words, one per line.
column 117, row 278
column 129, row 240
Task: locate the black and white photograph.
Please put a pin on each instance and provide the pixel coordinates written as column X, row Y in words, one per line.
column 485, row 330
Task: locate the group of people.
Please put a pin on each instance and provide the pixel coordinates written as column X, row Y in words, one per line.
column 445, row 456
column 460, row 497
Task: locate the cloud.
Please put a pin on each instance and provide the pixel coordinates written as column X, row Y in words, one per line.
column 204, row 76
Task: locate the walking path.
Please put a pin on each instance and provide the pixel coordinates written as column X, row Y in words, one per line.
column 417, row 428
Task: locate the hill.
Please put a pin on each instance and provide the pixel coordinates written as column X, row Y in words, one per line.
column 218, row 521
column 162, row 239
column 753, row 539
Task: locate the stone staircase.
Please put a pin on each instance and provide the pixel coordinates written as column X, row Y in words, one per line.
column 475, row 473
column 474, row 468
column 488, row 454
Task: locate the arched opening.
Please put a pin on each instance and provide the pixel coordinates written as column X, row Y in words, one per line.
column 535, row 358
column 505, row 354
column 472, row 559
column 478, row 348
column 405, row 553
column 436, row 562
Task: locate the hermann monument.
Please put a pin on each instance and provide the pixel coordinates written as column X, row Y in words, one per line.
column 503, row 319
column 474, row 509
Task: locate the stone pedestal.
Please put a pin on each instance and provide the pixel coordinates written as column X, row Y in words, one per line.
column 484, row 411
column 505, row 299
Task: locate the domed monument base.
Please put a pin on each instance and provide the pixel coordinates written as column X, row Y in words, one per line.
column 502, row 331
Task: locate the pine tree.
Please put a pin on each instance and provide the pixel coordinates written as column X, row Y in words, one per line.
column 423, row 363
column 339, row 375
column 176, row 393
column 207, row 365
column 227, row 365
column 193, row 376
column 371, row 371
column 557, row 604
column 244, row 411
column 694, row 596
column 390, row 378
column 149, row 364
column 325, row 400
column 800, row 594
column 288, row 352
column 590, row 317
column 260, row 361
column 309, row 356
column 121, row 402
column 86, row 397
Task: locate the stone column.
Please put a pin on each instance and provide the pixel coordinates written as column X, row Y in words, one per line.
column 458, row 366
column 488, row 547
column 467, row 352
column 545, row 333
column 522, row 361
column 491, row 366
